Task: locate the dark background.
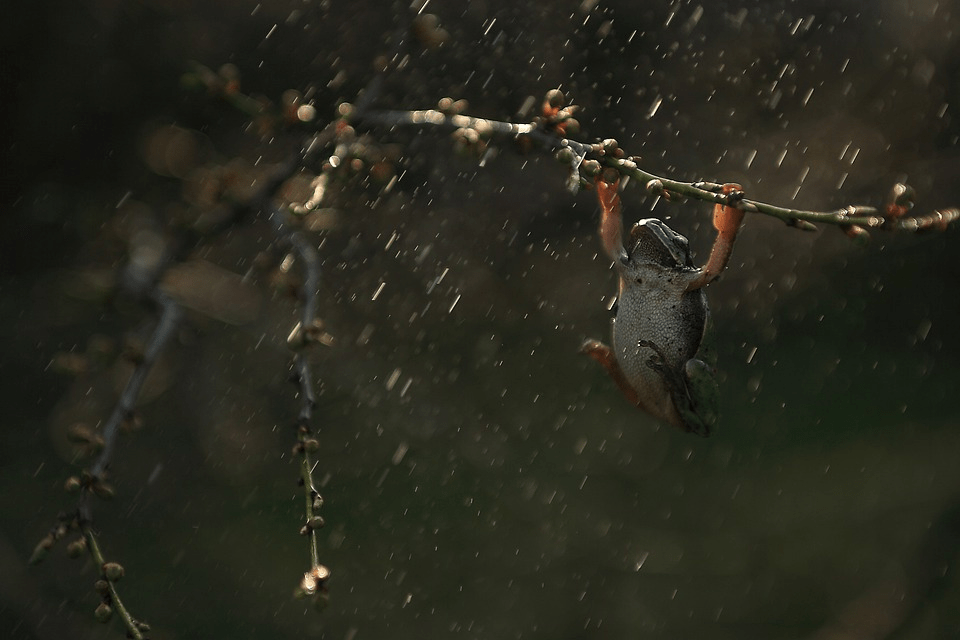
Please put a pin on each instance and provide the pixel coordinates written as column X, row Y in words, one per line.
column 481, row 478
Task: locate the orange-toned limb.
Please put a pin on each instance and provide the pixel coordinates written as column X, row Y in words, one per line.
column 726, row 220
column 611, row 224
column 604, row 355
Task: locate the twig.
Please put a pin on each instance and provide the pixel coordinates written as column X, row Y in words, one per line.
column 847, row 217
column 111, row 572
column 93, row 480
column 167, row 324
column 308, row 330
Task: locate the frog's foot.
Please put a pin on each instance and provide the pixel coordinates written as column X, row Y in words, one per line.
column 605, row 356
column 658, row 361
column 701, row 398
column 726, row 220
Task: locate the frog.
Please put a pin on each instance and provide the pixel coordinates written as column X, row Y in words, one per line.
column 661, row 357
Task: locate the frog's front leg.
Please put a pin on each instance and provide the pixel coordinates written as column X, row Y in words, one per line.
column 726, row 220
column 611, row 220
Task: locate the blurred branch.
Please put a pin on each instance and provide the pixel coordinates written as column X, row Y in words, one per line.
column 93, row 480
column 124, row 411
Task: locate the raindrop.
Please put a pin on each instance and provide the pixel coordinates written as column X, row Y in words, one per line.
column 782, row 156
column 392, row 380
column 454, row 304
column 694, row 19
column 653, row 108
column 401, row 451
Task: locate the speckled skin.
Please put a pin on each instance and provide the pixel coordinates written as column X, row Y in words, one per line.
column 659, row 325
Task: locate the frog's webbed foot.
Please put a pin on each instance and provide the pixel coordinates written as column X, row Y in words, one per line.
column 701, row 398
column 726, row 220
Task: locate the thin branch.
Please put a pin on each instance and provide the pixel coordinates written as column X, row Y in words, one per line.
column 108, row 583
column 307, row 331
column 550, row 140
column 166, row 326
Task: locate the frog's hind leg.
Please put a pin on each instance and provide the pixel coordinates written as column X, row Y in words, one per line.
column 691, row 416
column 605, row 356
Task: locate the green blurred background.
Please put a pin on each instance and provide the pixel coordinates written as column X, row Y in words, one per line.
column 481, row 478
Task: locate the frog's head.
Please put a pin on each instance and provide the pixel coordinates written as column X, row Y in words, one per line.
column 652, row 241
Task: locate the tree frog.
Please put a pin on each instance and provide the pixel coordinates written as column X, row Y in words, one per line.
column 659, row 359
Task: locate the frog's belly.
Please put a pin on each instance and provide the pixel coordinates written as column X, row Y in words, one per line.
column 650, row 385
column 644, row 366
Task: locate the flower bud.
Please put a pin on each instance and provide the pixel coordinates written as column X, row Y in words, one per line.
column 900, row 200
column 112, row 571
column 103, row 613
column 345, row 110
column 555, row 98
column 858, row 234
column 571, row 126
column 77, row 548
column 590, row 167
column 103, row 489
column 42, row 549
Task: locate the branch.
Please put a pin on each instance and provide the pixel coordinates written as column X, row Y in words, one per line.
column 93, row 481
column 548, row 133
column 307, row 331
column 124, row 411
column 110, row 574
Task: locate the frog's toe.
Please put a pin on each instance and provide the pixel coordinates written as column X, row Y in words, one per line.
column 595, row 349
